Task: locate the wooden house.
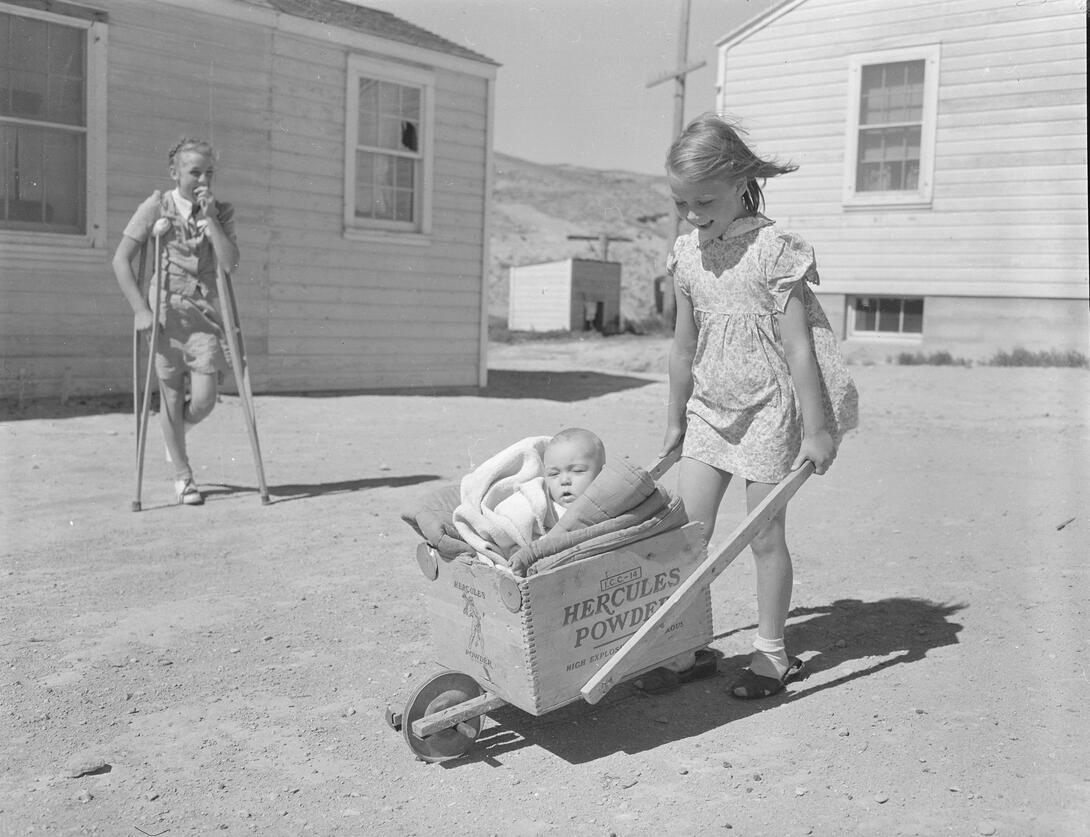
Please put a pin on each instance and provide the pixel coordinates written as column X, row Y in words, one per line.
column 355, row 147
column 568, row 295
column 942, row 165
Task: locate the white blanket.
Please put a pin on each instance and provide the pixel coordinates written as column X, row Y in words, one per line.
column 504, row 504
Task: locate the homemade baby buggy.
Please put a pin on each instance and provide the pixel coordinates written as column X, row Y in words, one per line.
column 581, row 611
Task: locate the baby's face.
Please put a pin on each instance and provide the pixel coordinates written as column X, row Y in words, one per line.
column 570, row 466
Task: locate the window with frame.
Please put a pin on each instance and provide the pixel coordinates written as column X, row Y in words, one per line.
column 876, row 316
column 51, row 112
column 891, row 130
column 388, row 149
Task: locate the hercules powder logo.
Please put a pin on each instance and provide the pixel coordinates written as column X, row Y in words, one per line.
column 627, row 600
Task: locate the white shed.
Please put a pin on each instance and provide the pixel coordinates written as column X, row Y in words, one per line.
column 570, row 295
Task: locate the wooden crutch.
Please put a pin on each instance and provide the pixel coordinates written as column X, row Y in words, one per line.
column 233, row 328
column 142, row 423
column 136, row 345
column 709, row 569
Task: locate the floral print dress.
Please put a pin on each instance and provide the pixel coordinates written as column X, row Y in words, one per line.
column 744, row 416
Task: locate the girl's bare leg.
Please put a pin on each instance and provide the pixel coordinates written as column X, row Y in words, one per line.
column 701, row 488
column 775, row 578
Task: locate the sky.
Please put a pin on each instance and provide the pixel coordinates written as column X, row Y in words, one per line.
column 572, row 87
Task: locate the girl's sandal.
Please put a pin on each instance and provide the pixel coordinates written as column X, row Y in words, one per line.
column 750, row 686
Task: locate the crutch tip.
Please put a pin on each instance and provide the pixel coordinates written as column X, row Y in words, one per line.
column 265, row 500
column 136, row 505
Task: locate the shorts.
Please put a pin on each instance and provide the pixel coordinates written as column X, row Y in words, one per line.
column 191, row 340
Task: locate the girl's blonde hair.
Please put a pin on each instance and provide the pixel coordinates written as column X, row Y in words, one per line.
column 190, row 144
column 710, row 148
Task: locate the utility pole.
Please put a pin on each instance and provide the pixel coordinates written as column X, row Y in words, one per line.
column 603, row 241
column 678, row 75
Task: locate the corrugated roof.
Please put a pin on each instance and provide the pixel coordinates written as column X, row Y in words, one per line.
column 371, row 22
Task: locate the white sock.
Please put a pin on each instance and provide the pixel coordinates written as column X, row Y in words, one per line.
column 769, row 657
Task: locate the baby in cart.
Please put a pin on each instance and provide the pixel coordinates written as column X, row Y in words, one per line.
column 528, row 507
column 544, row 502
column 520, row 494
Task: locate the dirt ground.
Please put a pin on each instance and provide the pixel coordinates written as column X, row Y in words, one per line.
column 226, row 669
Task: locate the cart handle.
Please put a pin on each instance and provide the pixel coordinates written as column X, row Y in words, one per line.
column 665, row 462
column 709, row 569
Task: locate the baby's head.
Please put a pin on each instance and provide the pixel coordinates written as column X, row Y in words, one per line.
column 573, row 458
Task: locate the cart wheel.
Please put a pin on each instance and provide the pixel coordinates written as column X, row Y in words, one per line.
column 443, row 691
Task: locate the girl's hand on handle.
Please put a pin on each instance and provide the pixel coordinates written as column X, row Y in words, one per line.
column 674, row 436
column 142, row 320
column 819, row 449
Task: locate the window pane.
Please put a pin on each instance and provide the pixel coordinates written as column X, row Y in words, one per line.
column 389, row 115
column 25, row 95
column 865, row 314
column 382, row 180
column 891, row 93
column 404, row 207
column 368, row 113
column 63, row 164
column 404, row 175
column 64, row 64
column 42, row 179
column 410, row 103
column 365, row 199
column 389, row 99
column 42, row 73
column 889, row 159
column 889, row 315
column 913, row 316
column 389, row 132
column 27, row 42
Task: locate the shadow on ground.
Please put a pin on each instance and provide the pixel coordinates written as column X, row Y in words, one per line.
column 565, row 387
column 299, row 491
column 860, row 638
column 570, row 386
column 49, row 408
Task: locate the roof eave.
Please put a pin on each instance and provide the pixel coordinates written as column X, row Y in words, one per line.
column 756, row 23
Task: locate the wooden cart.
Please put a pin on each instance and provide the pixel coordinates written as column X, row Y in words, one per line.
column 571, row 632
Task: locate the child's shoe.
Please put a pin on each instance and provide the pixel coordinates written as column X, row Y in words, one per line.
column 188, row 493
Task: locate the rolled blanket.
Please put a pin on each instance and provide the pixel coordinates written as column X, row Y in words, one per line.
column 658, row 513
column 430, row 517
column 504, row 504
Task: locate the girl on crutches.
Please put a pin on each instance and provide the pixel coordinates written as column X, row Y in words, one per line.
column 190, row 339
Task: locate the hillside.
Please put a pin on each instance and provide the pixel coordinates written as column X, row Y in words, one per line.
column 536, row 207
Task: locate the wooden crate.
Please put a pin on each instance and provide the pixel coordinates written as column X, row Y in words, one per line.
column 536, row 641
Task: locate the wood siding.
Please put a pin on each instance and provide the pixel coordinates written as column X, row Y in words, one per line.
column 1009, row 211
column 319, row 311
